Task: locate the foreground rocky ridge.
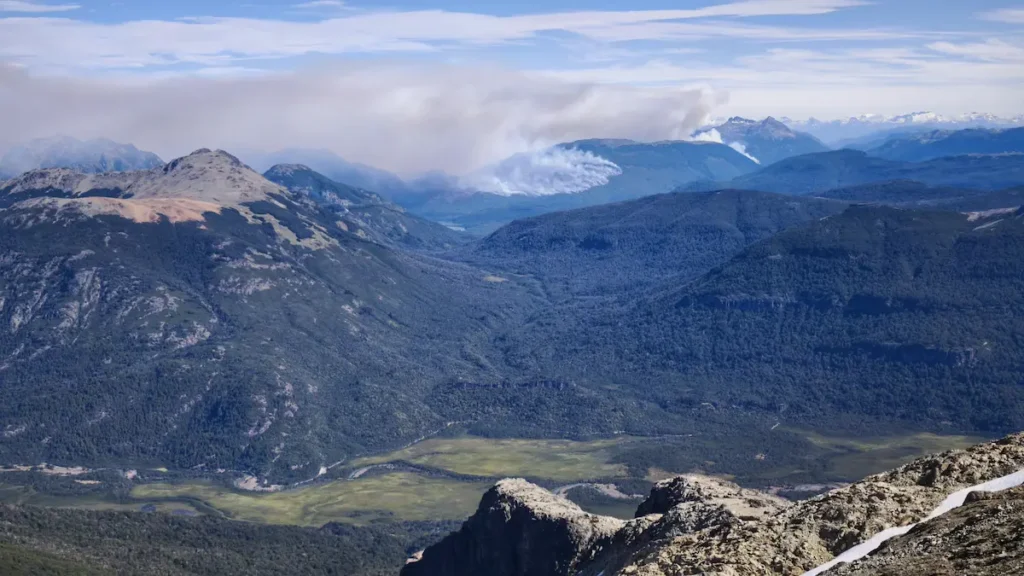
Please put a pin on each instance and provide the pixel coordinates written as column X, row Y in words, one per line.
column 700, row 525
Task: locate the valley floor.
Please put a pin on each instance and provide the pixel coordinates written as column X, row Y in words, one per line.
column 442, row 478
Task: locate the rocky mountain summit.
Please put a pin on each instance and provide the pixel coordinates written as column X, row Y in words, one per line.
column 768, row 140
column 701, row 525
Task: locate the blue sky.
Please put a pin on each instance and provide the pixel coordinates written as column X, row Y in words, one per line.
column 758, row 47
column 797, row 58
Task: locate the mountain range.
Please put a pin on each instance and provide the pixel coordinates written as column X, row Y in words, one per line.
column 99, row 155
column 738, row 153
column 939, row 143
column 358, row 327
column 818, row 173
column 262, row 328
column 625, row 170
column 836, row 131
column 768, row 140
column 332, row 166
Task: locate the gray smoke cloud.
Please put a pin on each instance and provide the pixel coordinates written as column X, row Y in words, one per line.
column 398, row 116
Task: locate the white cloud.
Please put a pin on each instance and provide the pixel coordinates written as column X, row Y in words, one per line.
column 28, row 6
column 991, row 50
column 66, row 43
column 1007, row 15
column 405, row 118
column 813, row 69
column 801, row 82
column 321, row 4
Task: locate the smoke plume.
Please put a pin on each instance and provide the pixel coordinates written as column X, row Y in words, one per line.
column 713, row 135
column 400, row 117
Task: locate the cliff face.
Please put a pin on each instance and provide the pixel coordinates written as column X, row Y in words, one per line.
column 695, row 524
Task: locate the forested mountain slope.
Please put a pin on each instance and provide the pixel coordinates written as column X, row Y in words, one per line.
column 877, row 313
column 911, row 194
column 54, row 542
column 817, row 173
column 366, row 212
column 200, row 315
column 939, row 143
column 623, row 247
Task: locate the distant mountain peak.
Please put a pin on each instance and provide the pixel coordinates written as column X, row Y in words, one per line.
column 767, row 141
column 740, row 120
column 841, row 131
column 332, row 166
column 287, row 169
column 91, row 156
column 204, row 156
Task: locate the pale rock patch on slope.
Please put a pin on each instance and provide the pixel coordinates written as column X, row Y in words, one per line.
column 143, row 210
column 317, row 241
column 71, row 181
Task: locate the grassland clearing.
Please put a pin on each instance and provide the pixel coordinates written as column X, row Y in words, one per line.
column 854, row 458
column 555, row 460
column 392, row 496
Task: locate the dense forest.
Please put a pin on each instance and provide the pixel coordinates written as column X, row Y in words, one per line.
column 286, row 346
column 627, row 247
column 57, row 542
column 877, row 314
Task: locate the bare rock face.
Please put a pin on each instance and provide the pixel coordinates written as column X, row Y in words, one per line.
column 519, row 529
column 982, row 538
column 700, row 525
column 696, row 524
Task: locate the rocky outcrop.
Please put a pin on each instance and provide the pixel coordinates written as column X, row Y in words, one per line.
column 982, row 538
column 519, row 529
column 695, row 522
column 699, row 525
